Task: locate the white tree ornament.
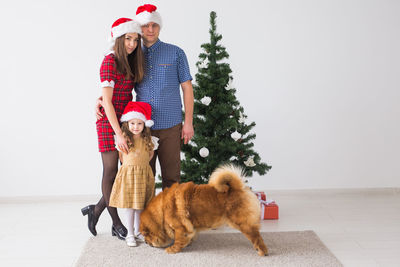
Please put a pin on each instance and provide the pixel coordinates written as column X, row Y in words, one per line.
column 192, row 143
column 250, row 162
column 241, row 118
column 236, row 136
column 204, row 152
column 228, row 86
column 201, row 117
column 204, row 63
column 206, row 100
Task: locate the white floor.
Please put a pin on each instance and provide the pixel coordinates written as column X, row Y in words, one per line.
column 361, row 227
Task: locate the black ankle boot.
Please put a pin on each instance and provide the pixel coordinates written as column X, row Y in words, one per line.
column 120, row 231
column 92, row 220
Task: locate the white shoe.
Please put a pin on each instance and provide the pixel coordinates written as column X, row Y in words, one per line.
column 139, row 237
column 130, row 241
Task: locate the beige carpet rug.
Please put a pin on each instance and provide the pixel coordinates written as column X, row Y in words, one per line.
column 213, row 249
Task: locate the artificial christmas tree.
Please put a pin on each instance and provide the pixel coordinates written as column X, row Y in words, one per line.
column 221, row 132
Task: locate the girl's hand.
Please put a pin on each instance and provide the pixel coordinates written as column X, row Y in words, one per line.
column 99, row 104
column 121, row 144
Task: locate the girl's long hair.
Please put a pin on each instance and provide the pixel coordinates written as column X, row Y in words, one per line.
column 132, row 66
column 145, row 135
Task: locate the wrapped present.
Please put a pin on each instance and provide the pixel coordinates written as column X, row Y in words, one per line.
column 261, row 195
column 269, row 210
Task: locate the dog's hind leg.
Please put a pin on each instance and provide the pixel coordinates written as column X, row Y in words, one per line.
column 253, row 234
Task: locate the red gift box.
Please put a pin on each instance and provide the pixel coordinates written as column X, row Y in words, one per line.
column 260, row 195
column 269, row 210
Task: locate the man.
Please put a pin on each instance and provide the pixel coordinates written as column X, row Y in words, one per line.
column 167, row 69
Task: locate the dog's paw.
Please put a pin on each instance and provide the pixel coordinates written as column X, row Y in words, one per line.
column 172, row 250
column 262, row 252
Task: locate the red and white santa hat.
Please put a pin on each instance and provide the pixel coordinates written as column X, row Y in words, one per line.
column 148, row 13
column 138, row 110
column 123, row 26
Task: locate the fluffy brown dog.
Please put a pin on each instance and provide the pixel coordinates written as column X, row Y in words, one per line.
column 179, row 212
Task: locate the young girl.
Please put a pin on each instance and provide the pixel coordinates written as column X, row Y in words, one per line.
column 134, row 185
column 121, row 69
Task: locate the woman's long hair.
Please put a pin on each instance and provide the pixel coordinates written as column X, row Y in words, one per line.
column 132, row 66
column 145, row 135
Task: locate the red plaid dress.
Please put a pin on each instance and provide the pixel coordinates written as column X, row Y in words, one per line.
column 122, row 94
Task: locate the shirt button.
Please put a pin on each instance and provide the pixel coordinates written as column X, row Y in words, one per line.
column 152, row 100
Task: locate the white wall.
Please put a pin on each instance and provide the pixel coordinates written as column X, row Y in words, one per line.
column 320, row 79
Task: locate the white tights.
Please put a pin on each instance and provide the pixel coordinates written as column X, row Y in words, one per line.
column 132, row 221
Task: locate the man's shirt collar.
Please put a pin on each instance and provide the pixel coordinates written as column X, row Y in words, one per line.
column 153, row 47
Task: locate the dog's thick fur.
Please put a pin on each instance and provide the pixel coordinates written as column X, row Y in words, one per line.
column 179, row 212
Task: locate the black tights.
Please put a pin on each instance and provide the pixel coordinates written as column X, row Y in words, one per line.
column 110, row 168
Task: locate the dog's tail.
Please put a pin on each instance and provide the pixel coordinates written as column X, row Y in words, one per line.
column 227, row 177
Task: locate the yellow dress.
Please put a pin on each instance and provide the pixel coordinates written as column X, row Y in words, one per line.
column 134, row 184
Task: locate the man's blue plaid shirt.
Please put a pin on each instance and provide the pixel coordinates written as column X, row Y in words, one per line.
column 166, row 68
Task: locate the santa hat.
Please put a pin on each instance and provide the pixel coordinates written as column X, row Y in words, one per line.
column 122, row 26
column 138, row 110
column 147, row 13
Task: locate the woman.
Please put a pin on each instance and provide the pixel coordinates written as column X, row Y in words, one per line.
column 119, row 71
